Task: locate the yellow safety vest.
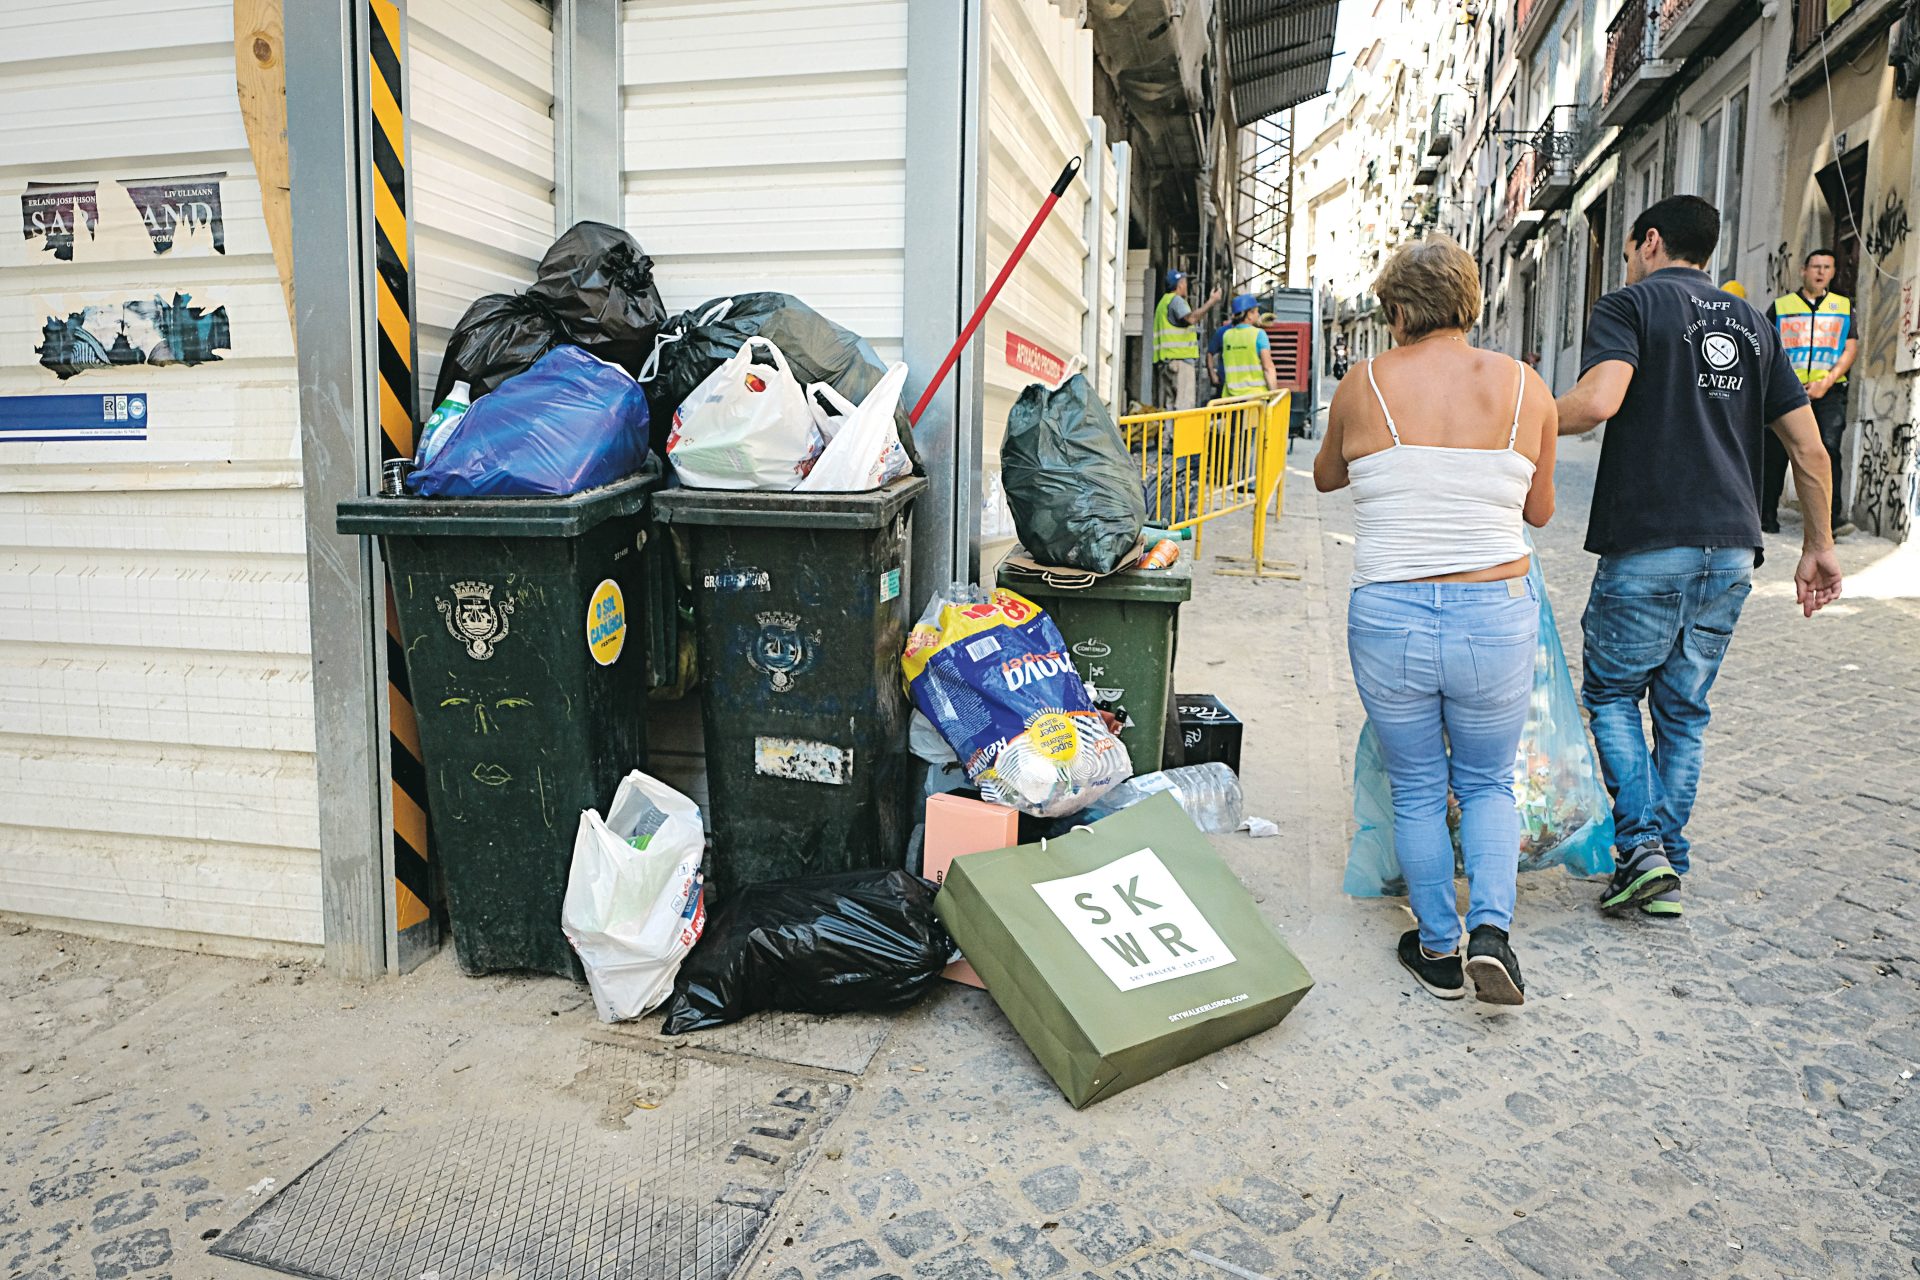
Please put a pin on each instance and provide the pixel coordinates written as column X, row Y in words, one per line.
column 1172, row 341
column 1244, row 375
column 1815, row 337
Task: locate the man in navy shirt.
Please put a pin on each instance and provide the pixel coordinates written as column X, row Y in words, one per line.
column 1687, row 377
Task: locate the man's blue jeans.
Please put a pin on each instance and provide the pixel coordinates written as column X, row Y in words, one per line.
column 1445, row 670
column 1657, row 625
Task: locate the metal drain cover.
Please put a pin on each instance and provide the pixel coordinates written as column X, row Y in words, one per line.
column 675, row 1178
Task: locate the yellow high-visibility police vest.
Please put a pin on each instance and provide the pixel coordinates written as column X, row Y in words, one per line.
column 1244, row 375
column 1814, row 336
column 1172, row 341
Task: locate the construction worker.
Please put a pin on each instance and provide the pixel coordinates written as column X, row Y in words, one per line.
column 1821, row 338
column 1176, row 344
column 1244, row 358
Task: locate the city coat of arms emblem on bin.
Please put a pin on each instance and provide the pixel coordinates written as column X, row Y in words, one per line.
column 474, row 619
column 780, row 650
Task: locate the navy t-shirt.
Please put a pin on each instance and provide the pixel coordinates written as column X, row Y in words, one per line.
column 1681, row 462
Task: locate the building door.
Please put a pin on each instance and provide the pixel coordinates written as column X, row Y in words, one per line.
column 1844, row 184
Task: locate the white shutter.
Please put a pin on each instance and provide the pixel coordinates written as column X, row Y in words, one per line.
column 480, row 108
column 156, row 714
column 765, row 149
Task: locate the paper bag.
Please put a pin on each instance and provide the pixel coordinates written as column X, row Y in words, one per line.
column 1122, row 950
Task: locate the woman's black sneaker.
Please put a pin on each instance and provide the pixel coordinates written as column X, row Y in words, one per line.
column 1490, row 963
column 1440, row 976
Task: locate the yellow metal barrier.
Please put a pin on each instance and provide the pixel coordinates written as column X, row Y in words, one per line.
column 1197, row 465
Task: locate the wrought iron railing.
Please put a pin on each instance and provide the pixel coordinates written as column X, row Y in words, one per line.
column 1554, row 147
column 1673, row 12
column 1630, row 40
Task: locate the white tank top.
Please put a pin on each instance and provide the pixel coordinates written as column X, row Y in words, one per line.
column 1420, row 511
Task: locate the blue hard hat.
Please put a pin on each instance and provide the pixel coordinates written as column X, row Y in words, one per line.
column 1175, row 277
column 1245, row 302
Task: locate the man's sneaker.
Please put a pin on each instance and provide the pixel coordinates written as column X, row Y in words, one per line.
column 1665, row 904
column 1846, row 527
column 1439, row 975
column 1645, row 874
column 1490, row 963
column 1769, row 526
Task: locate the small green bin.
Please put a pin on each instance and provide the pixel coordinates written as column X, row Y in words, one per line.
column 800, row 607
column 1121, row 632
column 524, row 626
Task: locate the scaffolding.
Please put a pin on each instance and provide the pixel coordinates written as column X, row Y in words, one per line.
column 1263, row 229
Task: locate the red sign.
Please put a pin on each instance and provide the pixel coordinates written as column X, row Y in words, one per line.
column 1031, row 357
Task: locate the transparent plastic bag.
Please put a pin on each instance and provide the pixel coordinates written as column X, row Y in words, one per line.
column 1566, row 816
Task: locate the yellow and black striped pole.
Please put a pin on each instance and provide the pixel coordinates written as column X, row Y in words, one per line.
column 412, row 888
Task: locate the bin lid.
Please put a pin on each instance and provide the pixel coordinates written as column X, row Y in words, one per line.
column 1171, row 585
column 541, row 517
column 872, row 510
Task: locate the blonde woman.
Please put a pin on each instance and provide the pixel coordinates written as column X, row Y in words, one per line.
column 1448, row 450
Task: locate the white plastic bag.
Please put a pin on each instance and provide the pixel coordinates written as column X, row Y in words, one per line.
column 746, row 427
column 634, row 905
column 863, row 445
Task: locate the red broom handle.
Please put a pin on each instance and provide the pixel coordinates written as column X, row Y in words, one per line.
column 1060, row 186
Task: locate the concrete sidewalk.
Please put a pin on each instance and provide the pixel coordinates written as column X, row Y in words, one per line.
column 1728, row 1096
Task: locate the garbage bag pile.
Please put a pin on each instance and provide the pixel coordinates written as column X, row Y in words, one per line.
column 1075, row 492
column 1566, row 817
column 756, row 391
column 993, row 674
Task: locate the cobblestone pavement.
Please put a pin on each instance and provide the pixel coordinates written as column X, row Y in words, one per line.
column 1733, row 1095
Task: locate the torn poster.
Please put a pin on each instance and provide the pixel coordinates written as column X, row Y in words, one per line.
column 178, row 209
column 81, row 333
column 56, row 211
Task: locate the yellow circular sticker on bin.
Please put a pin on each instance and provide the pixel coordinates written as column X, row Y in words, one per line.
column 1053, row 736
column 606, row 623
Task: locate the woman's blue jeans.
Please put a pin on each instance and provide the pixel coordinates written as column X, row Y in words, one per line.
column 1445, row 670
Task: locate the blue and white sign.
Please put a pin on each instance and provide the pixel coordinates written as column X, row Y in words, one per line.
column 59, row 418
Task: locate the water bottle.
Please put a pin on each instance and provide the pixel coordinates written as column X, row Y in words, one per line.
column 1210, row 793
column 433, row 436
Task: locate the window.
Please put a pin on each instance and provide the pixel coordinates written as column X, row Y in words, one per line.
column 1720, row 144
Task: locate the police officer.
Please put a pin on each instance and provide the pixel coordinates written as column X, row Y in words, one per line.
column 1245, row 354
column 1818, row 330
column 1176, row 344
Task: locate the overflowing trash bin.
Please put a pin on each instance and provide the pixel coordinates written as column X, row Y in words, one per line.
column 523, row 621
column 1121, row 632
column 800, row 608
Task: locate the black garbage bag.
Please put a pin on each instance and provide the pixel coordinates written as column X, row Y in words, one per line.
column 844, row 943
column 1075, row 493
column 695, row 343
column 599, row 283
column 501, row 336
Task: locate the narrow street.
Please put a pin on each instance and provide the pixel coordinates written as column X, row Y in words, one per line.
column 1729, row 1096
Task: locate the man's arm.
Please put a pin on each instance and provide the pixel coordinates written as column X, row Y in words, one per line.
column 1817, row 580
column 1595, row 398
column 1826, row 381
column 1194, row 313
column 1266, row 364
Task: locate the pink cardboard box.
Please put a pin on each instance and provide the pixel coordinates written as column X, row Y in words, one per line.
column 957, row 825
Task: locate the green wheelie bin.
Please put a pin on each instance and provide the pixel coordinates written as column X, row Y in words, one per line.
column 1121, row 630
column 800, row 608
column 524, row 625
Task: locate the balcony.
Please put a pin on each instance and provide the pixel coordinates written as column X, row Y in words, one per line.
column 1635, row 71
column 1685, row 25
column 1440, row 129
column 1531, row 18
column 1426, row 171
column 1554, row 147
column 1519, row 219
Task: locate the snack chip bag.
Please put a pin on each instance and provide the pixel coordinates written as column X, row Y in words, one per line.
column 992, row 672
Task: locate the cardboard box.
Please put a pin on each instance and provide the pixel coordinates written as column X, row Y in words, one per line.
column 1121, row 951
column 1208, row 730
column 957, row 825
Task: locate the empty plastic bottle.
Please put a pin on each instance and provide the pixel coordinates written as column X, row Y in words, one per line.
column 1210, row 793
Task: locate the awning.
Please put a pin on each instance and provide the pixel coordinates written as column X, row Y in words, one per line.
column 1279, row 53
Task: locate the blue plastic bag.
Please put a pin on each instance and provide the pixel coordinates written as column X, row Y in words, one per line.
column 571, row 422
column 1566, row 816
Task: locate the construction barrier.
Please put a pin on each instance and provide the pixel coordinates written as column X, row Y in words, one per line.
column 1197, row 465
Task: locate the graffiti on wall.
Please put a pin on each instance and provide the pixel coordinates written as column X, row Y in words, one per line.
column 1888, row 489
column 1781, row 277
column 1887, row 230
